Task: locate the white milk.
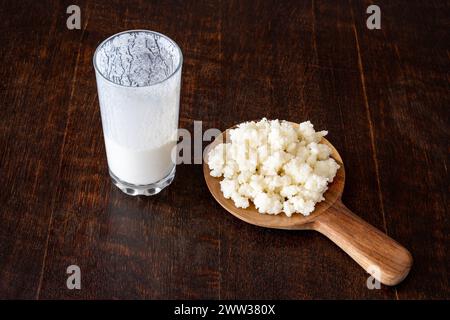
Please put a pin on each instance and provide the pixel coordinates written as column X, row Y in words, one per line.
column 137, row 166
column 138, row 79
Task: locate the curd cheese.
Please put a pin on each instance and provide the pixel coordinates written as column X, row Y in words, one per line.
column 279, row 166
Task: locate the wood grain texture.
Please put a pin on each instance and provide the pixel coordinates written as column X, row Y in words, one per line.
column 292, row 60
column 383, row 257
column 408, row 99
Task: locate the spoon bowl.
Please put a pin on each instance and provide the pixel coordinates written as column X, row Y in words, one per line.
column 281, row 221
column 381, row 256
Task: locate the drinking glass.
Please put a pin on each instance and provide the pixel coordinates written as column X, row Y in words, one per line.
column 138, row 75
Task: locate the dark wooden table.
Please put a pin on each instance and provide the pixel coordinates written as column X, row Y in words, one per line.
column 382, row 94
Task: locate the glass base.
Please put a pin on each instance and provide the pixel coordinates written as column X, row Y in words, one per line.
column 143, row 190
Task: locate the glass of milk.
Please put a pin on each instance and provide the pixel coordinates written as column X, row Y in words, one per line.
column 138, row 76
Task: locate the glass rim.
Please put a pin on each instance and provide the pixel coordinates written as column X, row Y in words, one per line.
column 180, row 63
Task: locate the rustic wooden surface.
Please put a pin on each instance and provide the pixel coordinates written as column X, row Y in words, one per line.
column 382, row 94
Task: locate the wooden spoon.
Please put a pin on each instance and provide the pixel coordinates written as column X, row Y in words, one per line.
column 378, row 254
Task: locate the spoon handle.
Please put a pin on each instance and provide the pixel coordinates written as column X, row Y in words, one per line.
column 378, row 254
